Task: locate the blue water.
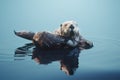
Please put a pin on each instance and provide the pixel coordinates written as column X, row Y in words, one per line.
column 98, row 20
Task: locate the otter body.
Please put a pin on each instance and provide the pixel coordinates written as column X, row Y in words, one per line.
column 42, row 39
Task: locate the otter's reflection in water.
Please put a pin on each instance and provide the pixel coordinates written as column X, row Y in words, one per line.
column 68, row 58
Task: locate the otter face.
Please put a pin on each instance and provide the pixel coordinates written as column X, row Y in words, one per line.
column 69, row 29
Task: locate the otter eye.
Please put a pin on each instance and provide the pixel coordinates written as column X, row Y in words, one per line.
column 65, row 24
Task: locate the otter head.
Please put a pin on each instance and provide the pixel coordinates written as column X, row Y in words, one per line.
column 69, row 29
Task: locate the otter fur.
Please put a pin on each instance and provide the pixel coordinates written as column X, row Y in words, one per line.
column 67, row 35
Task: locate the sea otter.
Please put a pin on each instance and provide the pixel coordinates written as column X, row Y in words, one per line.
column 67, row 35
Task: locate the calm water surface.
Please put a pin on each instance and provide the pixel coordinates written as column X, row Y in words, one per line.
column 98, row 21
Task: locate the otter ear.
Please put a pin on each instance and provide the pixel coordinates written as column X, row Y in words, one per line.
column 60, row 25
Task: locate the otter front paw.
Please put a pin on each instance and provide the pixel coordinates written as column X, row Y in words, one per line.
column 71, row 43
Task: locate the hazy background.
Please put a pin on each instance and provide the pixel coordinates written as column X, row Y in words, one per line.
column 98, row 20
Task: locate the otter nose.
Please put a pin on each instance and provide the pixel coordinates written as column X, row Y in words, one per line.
column 71, row 26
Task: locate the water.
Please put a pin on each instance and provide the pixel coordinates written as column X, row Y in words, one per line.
column 98, row 21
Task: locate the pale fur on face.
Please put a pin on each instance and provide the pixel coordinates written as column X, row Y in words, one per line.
column 65, row 28
column 65, row 31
